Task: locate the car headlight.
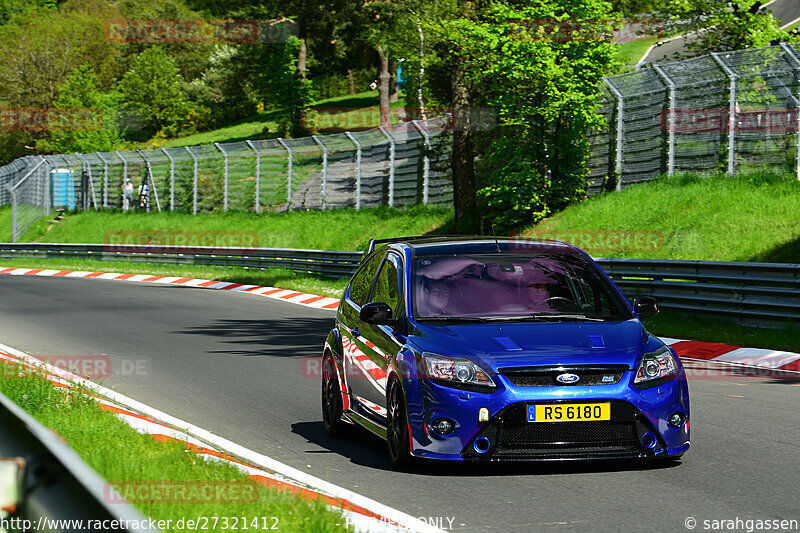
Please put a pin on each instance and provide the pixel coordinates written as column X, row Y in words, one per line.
column 455, row 371
column 656, row 368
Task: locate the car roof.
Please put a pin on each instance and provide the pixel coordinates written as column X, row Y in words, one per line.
column 449, row 244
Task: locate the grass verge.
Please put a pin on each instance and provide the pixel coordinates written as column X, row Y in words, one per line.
column 342, row 113
column 752, row 217
column 131, row 460
column 696, row 327
column 633, row 51
column 336, row 229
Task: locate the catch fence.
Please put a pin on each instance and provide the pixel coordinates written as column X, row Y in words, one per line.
column 399, row 165
column 719, row 112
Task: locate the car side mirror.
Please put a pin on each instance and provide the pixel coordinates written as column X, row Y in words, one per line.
column 646, row 307
column 377, row 313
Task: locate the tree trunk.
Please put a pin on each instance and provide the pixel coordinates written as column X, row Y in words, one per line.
column 302, row 52
column 421, row 77
column 383, row 86
column 394, row 95
column 462, row 158
column 351, row 83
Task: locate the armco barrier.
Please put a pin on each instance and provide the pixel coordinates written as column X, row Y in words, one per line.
column 54, row 484
column 760, row 293
column 326, row 263
column 767, row 293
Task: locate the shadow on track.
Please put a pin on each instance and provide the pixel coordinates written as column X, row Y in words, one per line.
column 281, row 337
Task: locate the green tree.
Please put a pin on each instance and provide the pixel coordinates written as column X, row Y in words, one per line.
column 38, row 51
column 544, row 94
column 153, row 89
column 95, row 117
column 487, row 55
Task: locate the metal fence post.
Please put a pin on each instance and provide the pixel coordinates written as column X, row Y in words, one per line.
column 289, row 173
column 225, row 154
column 12, row 193
column 124, row 174
column 46, row 185
column 258, row 174
column 796, row 60
column 389, row 138
column 194, row 193
column 426, row 161
column 324, row 170
column 358, row 168
column 88, row 168
column 171, row 179
column 620, row 130
column 105, row 179
column 16, row 230
column 731, row 113
column 671, row 131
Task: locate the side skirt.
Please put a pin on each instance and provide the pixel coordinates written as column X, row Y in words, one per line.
column 366, row 423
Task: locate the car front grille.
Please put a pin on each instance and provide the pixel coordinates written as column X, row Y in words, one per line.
column 545, row 376
column 510, row 437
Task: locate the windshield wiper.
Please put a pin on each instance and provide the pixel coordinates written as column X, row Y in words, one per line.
column 511, row 318
column 551, row 316
column 454, row 319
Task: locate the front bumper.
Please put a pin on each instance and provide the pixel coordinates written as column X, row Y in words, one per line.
column 508, row 436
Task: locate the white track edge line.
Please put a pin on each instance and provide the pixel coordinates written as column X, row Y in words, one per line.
column 221, row 443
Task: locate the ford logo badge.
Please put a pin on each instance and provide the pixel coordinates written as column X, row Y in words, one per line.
column 568, row 378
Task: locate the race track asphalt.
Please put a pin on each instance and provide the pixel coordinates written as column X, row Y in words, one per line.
column 231, row 363
column 785, row 11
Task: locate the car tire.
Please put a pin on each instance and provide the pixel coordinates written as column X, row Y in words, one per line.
column 331, row 397
column 397, row 427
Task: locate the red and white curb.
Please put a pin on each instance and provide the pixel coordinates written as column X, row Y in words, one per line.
column 722, row 353
column 286, row 295
column 364, row 514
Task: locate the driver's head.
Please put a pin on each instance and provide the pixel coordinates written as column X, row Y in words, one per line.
column 538, row 292
column 539, row 287
column 438, row 296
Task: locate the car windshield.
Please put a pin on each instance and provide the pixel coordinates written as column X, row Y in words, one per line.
column 513, row 286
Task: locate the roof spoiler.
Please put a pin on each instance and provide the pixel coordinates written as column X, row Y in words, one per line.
column 374, row 243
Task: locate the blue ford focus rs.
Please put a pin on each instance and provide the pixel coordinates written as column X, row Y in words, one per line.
column 479, row 349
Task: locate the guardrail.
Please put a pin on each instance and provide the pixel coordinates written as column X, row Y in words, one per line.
column 323, row 262
column 49, row 485
column 759, row 293
column 764, row 293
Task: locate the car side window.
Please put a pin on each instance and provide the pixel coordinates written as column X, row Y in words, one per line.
column 386, row 287
column 362, row 282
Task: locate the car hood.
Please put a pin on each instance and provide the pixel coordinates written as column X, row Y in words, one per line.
column 536, row 344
